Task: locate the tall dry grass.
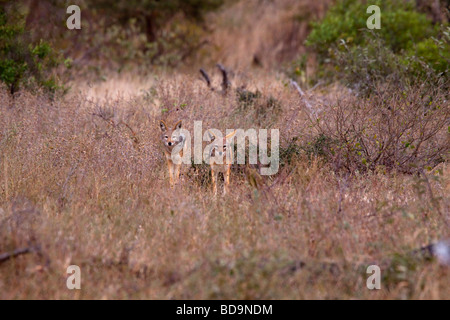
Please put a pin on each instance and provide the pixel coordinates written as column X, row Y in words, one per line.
column 83, row 182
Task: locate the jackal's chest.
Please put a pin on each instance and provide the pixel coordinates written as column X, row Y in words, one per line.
column 168, row 153
column 220, row 167
column 220, row 161
column 220, row 164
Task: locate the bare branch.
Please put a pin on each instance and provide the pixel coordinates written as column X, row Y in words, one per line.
column 8, row 255
column 205, row 75
column 225, row 82
column 302, row 95
column 104, row 117
column 133, row 133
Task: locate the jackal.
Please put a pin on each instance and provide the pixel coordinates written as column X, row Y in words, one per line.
column 223, row 150
column 170, row 139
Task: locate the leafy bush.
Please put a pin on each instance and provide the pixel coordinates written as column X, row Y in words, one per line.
column 21, row 61
column 434, row 52
column 407, row 42
column 362, row 67
column 401, row 26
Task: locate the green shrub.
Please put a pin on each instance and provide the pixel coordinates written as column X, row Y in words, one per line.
column 433, row 53
column 363, row 67
column 320, row 146
column 290, row 152
column 265, row 110
column 407, row 42
column 23, row 62
column 401, row 26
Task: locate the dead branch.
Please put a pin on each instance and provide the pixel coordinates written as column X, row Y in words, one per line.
column 205, row 75
column 104, row 117
column 225, row 82
column 8, row 255
column 302, row 95
column 111, row 122
column 133, row 133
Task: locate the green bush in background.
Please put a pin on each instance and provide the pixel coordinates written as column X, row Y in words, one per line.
column 22, row 62
column 153, row 32
column 407, row 46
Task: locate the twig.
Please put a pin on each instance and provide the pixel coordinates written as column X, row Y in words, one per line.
column 5, row 163
column 102, row 116
column 133, row 133
column 341, row 191
column 8, row 255
column 111, row 122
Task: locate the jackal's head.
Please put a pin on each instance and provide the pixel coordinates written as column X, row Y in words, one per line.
column 170, row 137
column 222, row 146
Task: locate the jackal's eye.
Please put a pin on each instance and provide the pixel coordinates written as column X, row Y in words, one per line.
column 225, row 147
column 166, row 137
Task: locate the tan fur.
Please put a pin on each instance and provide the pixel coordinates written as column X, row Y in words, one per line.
column 223, row 150
column 170, row 138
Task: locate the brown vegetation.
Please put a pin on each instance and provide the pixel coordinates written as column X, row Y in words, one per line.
column 363, row 177
column 84, row 191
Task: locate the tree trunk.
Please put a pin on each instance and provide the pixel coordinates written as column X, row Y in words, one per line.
column 150, row 27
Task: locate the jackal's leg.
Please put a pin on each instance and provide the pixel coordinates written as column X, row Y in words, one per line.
column 214, row 180
column 170, row 166
column 177, row 173
column 227, row 180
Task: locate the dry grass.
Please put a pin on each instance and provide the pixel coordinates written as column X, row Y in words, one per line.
column 84, row 192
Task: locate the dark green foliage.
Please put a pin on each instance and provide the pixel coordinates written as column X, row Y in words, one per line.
column 23, row 62
column 290, row 153
column 320, row 146
column 407, row 46
column 363, row 66
column 432, row 53
column 265, row 109
column 401, row 26
column 152, row 31
column 297, row 70
column 247, row 98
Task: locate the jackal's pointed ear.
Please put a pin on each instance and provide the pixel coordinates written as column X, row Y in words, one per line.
column 162, row 125
column 231, row 135
column 177, row 125
column 211, row 135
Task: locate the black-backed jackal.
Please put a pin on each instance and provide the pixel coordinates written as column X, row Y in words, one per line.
column 171, row 138
column 222, row 149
